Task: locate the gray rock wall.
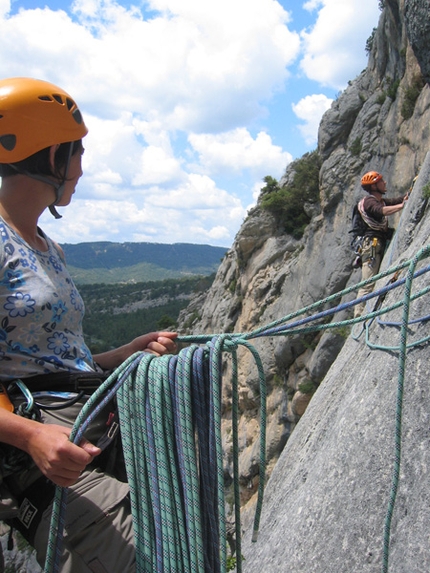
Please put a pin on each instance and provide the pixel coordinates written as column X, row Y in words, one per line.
column 327, row 497
column 418, row 27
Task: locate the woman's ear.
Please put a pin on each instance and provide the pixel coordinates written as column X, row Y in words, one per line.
column 52, row 151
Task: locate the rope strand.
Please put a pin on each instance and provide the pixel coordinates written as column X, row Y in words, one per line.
column 170, row 416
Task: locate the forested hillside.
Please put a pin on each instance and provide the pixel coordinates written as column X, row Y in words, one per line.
column 106, row 262
column 114, row 314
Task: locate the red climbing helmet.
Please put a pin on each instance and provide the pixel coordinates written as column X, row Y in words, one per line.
column 370, row 178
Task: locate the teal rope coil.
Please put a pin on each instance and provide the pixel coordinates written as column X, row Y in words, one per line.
column 174, row 479
column 178, row 506
column 93, row 406
column 156, row 399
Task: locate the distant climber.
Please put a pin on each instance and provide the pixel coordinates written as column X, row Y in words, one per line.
column 374, row 210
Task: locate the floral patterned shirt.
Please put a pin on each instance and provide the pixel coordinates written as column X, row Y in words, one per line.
column 41, row 311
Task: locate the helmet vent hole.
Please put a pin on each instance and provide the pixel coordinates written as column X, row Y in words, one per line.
column 58, row 98
column 77, row 116
column 8, row 141
column 70, row 103
column 45, row 98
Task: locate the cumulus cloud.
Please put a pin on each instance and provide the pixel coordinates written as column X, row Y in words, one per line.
column 310, row 109
column 191, row 212
column 335, row 45
column 158, row 90
column 193, row 65
column 237, row 149
column 177, row 97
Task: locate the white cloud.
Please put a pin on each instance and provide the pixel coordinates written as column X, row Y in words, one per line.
column 177, row 96
column 310, row 109
column 156, row 166
column 237, row 150
column 189, row 213
column 199, row 64
column 334, row 48
column 312, row 5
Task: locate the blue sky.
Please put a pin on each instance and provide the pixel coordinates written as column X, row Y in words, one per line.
column 189, row 103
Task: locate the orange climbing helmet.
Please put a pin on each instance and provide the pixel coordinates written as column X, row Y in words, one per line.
column 370, row 178
column 35, row 114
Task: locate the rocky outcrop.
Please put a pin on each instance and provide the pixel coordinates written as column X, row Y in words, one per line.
column 418, row 27
column 328, row 496
column 380, row 122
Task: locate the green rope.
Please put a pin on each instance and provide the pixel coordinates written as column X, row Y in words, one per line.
column 168, row 525
column 399, row 407
column 366, row 321
column 165, row 498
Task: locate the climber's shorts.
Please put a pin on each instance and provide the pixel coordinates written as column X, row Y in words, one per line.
column 98, row 533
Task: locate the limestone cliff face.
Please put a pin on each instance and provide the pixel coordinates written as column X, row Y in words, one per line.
column 380, row 122
column 328, row 497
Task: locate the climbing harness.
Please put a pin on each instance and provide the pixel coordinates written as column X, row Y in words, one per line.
column 170, row 417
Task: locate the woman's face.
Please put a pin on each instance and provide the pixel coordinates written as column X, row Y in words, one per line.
column 73, row 176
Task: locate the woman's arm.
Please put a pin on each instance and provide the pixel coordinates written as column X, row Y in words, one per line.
column 157, row 343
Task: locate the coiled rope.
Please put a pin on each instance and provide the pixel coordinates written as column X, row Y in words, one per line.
column 176, row 481
column 170, row 414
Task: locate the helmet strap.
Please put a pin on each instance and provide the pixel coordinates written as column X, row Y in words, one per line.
column 58, row 187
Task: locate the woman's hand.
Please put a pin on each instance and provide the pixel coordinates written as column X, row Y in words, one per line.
column 157, row 343
column 49, row 446
column 56, row 456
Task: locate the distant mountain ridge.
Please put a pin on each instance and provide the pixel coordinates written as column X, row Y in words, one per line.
column 108, row 262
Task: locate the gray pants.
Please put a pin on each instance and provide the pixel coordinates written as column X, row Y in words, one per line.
column 98, row 534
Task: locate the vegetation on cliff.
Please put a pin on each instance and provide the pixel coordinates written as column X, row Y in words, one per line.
column 288, row 203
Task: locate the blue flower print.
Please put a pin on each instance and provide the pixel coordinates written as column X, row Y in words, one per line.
column 33, row 261
column 58, row 343
column 49, row 360
column 81, row 364
column 23, row 259
column 58, row 310
column 62, row 285
column 31, row 332
column 19, row 348
column 9, row 249
column 55, row 263
column 28, row 259
column 19, row 304
column 76, row 300
column 4, row 233
column 13, row 279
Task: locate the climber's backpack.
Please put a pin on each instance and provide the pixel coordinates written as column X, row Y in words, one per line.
column 358, row 230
